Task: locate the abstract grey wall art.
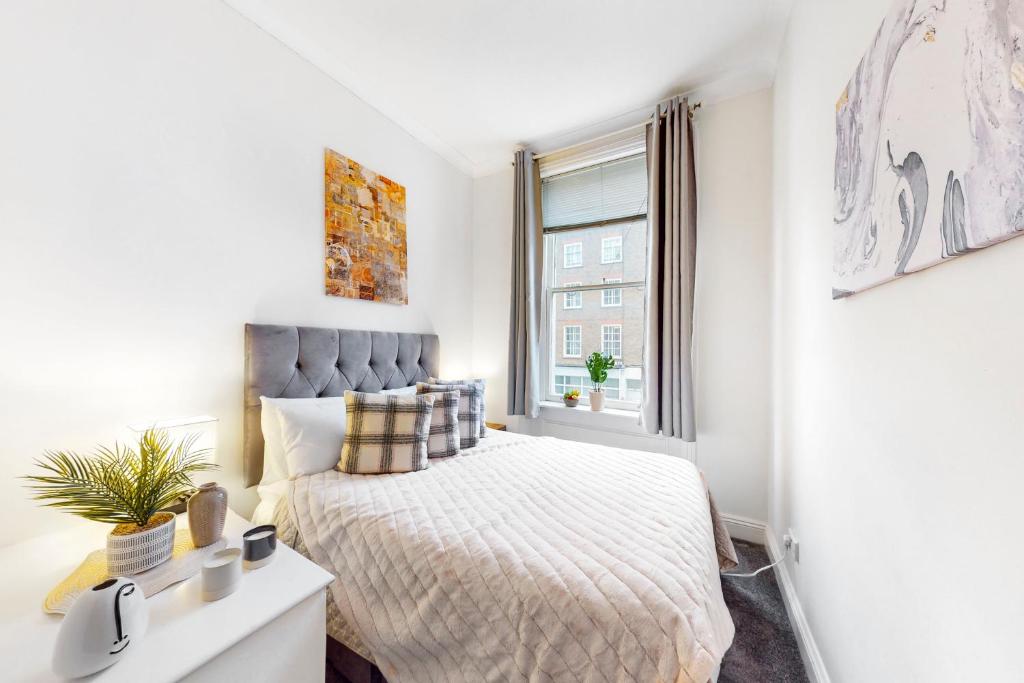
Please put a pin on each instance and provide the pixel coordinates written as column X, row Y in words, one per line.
column 930, row 141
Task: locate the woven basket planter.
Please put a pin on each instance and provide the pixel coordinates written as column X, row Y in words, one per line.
column 135, row 553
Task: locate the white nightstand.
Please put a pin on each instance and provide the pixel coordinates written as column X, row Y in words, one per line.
column 271, row 629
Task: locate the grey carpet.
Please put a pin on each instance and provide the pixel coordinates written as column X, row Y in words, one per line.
column 765, row 647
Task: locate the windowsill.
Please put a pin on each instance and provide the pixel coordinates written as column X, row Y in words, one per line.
column 609, row 419
column 581, row 408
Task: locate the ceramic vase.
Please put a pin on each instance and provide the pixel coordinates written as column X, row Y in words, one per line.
column 102, row 626
column 571, row 402
column 135, row 553
column 597, row 400
column 207, row 509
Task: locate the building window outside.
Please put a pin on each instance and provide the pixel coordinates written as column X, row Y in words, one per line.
column 633, row 390
column 572, row 255
column 611, row 340
column 611, row 249
column 611, row 297
column 572, row 341
column 572, row 299
column 566, row 383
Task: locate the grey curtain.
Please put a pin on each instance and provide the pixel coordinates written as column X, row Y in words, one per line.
column 667, row 402
column 524, row 319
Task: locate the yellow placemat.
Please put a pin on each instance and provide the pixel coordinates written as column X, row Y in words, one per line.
column 185, row 561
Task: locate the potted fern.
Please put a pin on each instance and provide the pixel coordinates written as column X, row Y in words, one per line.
column 598, row 366
column 127, row 488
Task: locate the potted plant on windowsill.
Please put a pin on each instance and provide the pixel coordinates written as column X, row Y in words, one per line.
column 127, row 488
column 571, row 398
column 598, row 366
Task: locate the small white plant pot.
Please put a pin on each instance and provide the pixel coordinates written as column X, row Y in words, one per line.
column 103, row 625
column 597, row 400
column 135, row 553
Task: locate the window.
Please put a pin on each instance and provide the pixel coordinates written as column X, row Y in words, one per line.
column 572, row 299
column 566, row 383
column 611, row 341
column 572, row 341
column 595, row 201
column 611, row 389
column 582, row 383
column 633, row 390
column 572, row 255
column 611, row 297
column 611, row 249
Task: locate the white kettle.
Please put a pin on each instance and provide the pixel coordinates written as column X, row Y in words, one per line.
column 102, row 626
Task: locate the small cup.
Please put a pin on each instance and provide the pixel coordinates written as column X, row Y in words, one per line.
column 222, row 572
column 258, row 545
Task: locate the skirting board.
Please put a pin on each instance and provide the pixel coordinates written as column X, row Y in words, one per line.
column 753, row 531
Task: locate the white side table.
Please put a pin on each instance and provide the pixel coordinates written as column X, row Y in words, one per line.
column 271, row 629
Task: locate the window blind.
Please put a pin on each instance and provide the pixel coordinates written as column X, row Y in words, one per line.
column 625, row 143
column 606, row 192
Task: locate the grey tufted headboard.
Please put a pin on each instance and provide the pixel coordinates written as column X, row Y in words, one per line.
column 307, row 362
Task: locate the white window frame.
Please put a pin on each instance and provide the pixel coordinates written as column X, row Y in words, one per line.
column 604, row 338
column 576, row 296
column 565, row 341
column 604, row 293
column 607, row 242
column 565, row 255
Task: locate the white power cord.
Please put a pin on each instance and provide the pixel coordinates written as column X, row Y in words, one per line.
column 787, row 543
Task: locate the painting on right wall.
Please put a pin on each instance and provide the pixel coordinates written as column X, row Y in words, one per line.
column 930, row 141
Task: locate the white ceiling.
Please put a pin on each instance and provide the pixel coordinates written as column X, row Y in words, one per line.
column 472, row 79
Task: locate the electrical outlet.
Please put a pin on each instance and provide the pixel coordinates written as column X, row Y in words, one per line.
column 790, row 541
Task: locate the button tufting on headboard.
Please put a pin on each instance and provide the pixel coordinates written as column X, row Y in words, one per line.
column 307, row 362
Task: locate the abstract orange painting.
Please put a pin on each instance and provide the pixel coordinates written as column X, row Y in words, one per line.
column 364, row 228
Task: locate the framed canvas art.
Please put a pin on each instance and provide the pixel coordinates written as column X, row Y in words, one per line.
column 364, row 228
column 930, row 141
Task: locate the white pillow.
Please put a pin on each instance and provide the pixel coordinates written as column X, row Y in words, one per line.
column 310, row 434
column 274, row 468
column 401, row 391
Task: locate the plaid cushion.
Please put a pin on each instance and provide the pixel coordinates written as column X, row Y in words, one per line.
column 444, row 426
column 478, row 382
column 470, row 419
column 385, row 433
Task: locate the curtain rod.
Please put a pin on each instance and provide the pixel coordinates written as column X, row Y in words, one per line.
column 693, row 108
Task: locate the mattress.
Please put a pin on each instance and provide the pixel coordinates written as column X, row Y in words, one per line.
column 532, row 559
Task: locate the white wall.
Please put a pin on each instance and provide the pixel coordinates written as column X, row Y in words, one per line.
column 492, row 288
column 732, row 359
column 898, row 423
column 732, row 328
column 161, row 184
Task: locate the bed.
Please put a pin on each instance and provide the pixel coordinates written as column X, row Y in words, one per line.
column 523, row 558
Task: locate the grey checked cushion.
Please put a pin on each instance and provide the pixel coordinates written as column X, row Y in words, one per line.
column 470, row 418
column 478, row 382
column 385, row 433
column 444, row 426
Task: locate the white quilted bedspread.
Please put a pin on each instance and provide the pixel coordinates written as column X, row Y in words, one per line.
column 525, row 559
